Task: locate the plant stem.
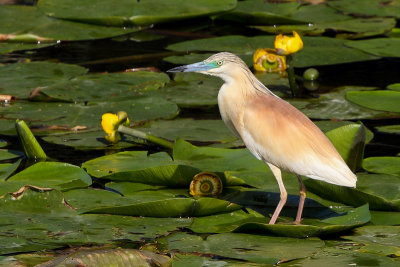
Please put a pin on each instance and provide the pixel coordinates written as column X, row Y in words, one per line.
column 151, row 138
column 31, row 147
column 291, row 76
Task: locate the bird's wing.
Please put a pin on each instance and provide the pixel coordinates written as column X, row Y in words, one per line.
column 280, row 134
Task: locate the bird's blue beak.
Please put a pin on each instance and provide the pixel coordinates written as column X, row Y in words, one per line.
column 195, row 67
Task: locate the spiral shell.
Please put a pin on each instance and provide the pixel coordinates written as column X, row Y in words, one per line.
column 206, row 184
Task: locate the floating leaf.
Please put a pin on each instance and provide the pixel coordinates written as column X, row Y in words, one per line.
column 136, row 166
column 381, row 47
column 385, row 165
column 375, row 189
column 133, row 12
column 102, row 87
column 39, row 219
column 145, row 203
column 316, row 51
column 62, row 176
column 351, row 28
column 368, row 7
column 253, row 248
column 391, row 129
column 334, row 105
column 394, row 87
column 20, row 79
column 7, row 154
column 385, row 218
column 69, row 115
column 190, row 130
column 30, row 24
column 349, row 140
column 6, row 169
column 385, row 100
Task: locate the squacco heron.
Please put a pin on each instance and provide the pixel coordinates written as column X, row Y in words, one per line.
column 273, row 130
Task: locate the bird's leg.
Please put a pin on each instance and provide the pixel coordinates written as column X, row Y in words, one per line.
column 302, row 199
column 278, row 176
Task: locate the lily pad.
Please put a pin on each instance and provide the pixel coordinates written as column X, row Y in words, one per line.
column 317, row 51
column 11, row 47
column 39, row 222
column 252, row 248
column 62, row 176
column 192, row 90
column 88, row 140
column 190, row 130
column 394, row 87
column 385, row 165
column 132, row 12
column 381, row 47
column 30, row 24
column 368, row 7
column 101, row 87
column 145, row 203
column 349, row 140
column 385, row 218
column 383, row 235
column 136, row 166
column 241, row 222
column 65, row 116
column 103, row 257
column 333, row 105
column 7, row 169
column 385, row 100
column 7, row 154
column 391, row 129
column 350, row 28
column 375, row 189
column 20, row 79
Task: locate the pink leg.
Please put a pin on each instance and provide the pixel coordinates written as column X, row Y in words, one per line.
column 278, row 176
column 302, row 199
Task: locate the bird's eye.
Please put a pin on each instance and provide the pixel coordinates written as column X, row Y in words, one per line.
column 219, row 63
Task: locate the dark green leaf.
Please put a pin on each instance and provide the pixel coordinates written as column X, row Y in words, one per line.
column 385, row 100
column 385, row 165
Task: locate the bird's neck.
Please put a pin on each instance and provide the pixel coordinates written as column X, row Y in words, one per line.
column 245, row 81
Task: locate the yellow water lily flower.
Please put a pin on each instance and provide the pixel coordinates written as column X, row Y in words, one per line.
column 206, row 184
column 110, row 123
column 286, row 45
column 267, row 60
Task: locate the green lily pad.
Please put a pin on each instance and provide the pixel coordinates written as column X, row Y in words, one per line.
column 368, row 7
column 385, row 165
column 349, row 140
column 375, row 189
column 88, row 140
column 242, row 222
column 334, row 105
column 394, row 87
column 7, row 154
column 160, row 169
column 252, row 248
column 39, row 219
column 184, row 260
column 103, row 257
column 351, row 28
column 67, row 115
column 145, row 203
column 132, row 12
column 391, row 129
column 192, row 90
column 128, row 188
column 383, row 235
column 311, row 227
column 381, row 47
column 190, row 130
column 385, row 218
column 30, row 24
column 317, row 51
column 62, row 176
column 101, row 87
column 11, row 47
column 385, row 100
column 136, row 166
column 7, row 169
column 20, row 79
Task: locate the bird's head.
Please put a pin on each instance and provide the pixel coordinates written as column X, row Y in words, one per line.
column 223, row 65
